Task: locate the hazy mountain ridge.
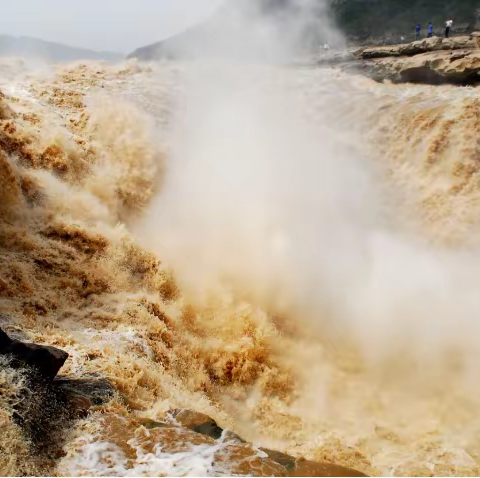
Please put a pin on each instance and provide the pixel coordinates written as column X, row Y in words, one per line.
column 28, row 47
column 362, row 21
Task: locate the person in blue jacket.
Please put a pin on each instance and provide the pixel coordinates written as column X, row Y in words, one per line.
column 418, row 28
column 430, row 30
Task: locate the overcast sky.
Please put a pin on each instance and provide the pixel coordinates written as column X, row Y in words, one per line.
column 117, row 25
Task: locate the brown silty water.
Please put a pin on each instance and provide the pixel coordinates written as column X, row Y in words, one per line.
column 294, row 255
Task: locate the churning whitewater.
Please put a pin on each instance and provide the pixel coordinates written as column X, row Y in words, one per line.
column 292, row 252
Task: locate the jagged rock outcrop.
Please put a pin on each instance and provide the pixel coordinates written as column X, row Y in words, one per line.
column 41, row 359
column 83, row 393
column 423, row 46
column 198, row 422
column 302, row 467
column 46, row 404
column 432, row 61
column 459, row 67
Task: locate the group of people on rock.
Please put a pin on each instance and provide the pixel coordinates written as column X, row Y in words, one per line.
column 418, row 29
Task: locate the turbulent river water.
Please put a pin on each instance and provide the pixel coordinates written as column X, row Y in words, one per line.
column 291, row 251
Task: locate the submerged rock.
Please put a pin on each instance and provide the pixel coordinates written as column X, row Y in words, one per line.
column 97, row 390
column 280, row 464
column 79, row 395
column 303, row 467
column 198, row 422
column 48, row 406
column 169, row 448
column 44, row 360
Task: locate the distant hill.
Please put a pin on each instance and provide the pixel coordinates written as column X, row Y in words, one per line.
column 362, row 21
column 222, row 34
column 27, row 47
column 173, row 47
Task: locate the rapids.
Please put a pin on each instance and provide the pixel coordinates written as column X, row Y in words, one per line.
column 293, row 252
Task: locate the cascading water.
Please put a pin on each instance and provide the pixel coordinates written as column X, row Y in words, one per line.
column 290, row 251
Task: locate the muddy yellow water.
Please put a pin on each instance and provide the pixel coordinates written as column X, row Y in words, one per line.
column 293, row 252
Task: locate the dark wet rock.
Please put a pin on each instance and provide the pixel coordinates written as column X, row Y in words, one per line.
column 96, row 389
column 231, row 437
column 210, row 429
column 302, row 467
column 278, row 463
column 44, row 360
column 197, row 422
column 283, row 459
column 40, row 410
column 14, row 333
column 313, row 468
column 80, row 395
column 152, row 424
column 47, row 405
column 41, row 413
column 48, row 408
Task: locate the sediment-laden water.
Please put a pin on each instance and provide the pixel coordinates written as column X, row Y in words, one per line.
column 293, row 252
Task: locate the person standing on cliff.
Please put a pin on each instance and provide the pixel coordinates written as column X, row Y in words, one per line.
column 430, row 30
column 417, row 31
column 448, row 26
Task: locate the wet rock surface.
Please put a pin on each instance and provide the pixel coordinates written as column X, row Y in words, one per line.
column 198, row 422
column 290, row 466
column 49, row 405
column 173, row 447
column 96, row 390
column 302, row 467
column 43, row 360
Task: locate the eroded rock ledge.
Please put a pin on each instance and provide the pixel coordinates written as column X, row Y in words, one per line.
column 431, row 61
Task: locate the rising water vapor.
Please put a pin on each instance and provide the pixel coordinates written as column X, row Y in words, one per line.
column 290, row 251
column 251, row 185
column 273, row 200
column 286, row 211
column 258, row 30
